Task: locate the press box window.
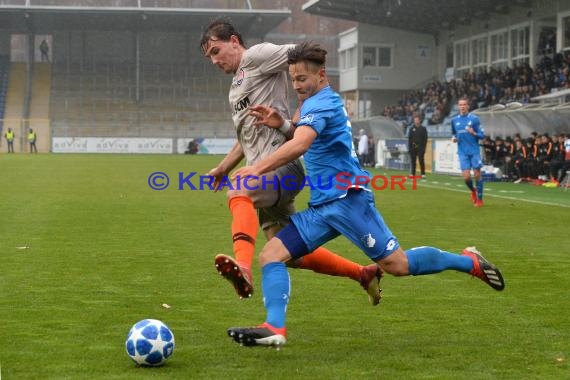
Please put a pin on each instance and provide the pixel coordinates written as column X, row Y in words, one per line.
column 373, row 56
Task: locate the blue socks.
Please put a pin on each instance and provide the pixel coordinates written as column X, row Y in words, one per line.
column 276, row 285
column 276, row 289
column 469, row 183
column 427, row 260
column 480, row 189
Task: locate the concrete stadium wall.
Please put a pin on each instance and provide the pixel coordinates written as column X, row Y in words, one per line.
column 99, row 46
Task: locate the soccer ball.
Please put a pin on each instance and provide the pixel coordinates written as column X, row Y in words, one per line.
column 150, row 342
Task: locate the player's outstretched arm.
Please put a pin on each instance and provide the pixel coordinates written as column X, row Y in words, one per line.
column 232, row 159
column 291, row 150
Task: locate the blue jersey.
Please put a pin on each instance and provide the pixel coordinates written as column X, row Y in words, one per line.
column 467, row 144
column 331, row 161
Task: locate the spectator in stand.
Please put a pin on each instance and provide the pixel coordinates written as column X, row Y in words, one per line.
column 486, row 88
column 44, row 50
column 405, row 129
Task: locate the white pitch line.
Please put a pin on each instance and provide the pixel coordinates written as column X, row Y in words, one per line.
column 498, row 196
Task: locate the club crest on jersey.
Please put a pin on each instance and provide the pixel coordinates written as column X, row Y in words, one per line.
column 368, row 240
column 238, row 79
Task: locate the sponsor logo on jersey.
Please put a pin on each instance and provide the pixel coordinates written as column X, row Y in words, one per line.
column 241, row 104
column 391, row 244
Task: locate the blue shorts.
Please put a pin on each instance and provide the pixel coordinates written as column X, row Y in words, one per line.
column 355, row 216
column 470, row 161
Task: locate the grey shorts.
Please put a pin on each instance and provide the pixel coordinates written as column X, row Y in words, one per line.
column 285, row 206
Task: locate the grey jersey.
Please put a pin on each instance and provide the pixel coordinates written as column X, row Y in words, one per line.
column 261, row 79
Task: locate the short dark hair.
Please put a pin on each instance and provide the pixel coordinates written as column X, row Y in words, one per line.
column 221, row 29
column 307, row 51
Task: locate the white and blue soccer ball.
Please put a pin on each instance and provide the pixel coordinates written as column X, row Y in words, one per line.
column 150, row 342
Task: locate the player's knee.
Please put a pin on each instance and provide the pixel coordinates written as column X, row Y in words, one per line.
column 235, row 193
column 240, row 191
column 396, row 263
column 273, row 251
column 396, row 269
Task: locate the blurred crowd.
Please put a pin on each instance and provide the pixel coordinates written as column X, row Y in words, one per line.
column 485, row 88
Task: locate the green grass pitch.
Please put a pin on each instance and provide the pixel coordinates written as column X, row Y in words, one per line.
column 87, row 249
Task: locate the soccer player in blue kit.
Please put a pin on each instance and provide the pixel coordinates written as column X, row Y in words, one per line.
column 324, row 136
column 467, row 132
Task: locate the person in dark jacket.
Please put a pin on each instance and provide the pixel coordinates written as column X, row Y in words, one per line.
column 417, row 142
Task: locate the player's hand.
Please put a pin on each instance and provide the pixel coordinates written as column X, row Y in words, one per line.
column 265, row 115
column 454, row 139
column 218, row 174
column 245, row 171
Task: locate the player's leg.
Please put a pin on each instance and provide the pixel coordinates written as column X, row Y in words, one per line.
column 289, row 244
column 243, row 199
column 320, row 260
column 477, row 164
column 421, row 157
column 465, row 165
column 480, row 183
column 428, row 260
column 413, row 158
column 371, row 234
column 276, row 291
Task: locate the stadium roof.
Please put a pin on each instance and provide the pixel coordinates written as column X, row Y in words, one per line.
column 424, row 16
column 47, row 19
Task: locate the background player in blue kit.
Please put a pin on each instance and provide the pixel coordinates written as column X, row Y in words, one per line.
column 324, row 136
column 467, row 132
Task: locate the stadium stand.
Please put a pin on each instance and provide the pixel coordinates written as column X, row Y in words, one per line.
column 515, row 87
column 123, row 68
column 101, row 99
